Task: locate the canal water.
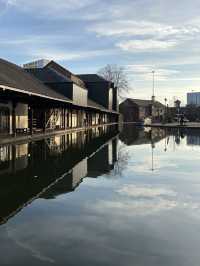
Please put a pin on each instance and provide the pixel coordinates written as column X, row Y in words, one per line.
column 106, row 196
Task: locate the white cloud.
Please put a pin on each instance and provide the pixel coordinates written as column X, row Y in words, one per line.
column 146, row 45
column 131, row 28
column 125, row 27
column 69, row 55
column 144, row 72
column 49, row 6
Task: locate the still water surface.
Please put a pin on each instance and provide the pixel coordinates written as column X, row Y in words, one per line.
column 102, row 198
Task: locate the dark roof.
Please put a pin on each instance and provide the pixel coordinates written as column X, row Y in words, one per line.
column 16, row 78
column 92, row 78
column 65, row 72
column 48, row 75
column 158, row 104
column 96, row 105
column 55, row 73
column 145, row 103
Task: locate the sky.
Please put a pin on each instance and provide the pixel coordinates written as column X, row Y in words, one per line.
column 86, row 35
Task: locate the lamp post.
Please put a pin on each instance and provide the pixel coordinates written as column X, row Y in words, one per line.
column 153, row 87
column 153, row 96
column 165, row 109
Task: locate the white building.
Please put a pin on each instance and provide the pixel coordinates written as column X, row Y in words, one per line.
column 193, row 98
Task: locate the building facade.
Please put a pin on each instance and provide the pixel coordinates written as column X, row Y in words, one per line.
column 135, row 110
column 193, row 98
column 46, row 97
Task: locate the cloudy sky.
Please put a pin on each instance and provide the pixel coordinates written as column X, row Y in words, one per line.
column 85, row 35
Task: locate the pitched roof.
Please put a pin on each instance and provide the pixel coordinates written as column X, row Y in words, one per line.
column 60, row 69
column 96, row 105
column 145, row 103
column 48, row 75
column 139, row 102
column 15, row 78
column 55, row 73
column 92, row 78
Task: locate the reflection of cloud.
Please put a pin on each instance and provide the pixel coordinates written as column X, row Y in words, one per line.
column 139, row 200
column 145, row 200
column 137, row 207
column 145, row 166
column 145, row 191
column 27, row 246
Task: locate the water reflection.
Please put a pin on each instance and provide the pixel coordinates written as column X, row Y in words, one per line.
column 120, row 212
column 138, row 136
column 156, row 139
column 53, row 166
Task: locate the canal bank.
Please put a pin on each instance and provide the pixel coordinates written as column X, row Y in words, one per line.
column 189, row 125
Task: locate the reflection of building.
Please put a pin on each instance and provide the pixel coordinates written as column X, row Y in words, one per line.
column 138, row 136
column 79, row 172
column 18, row 152
column 48, row 168
column 103, row 160
column 193, row 137
column 134, row 110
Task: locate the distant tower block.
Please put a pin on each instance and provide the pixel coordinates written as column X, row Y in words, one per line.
column 37, row 64
column 193, row 98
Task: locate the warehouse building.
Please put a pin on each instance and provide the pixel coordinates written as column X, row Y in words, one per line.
column 47, row 97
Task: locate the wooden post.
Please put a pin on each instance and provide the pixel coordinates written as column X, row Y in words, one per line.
column 64, row 118
column 14, row 119
column 71, row 119
column 31, row 120
column 44, row 121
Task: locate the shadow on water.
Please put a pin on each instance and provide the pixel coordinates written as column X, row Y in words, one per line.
column 53, row 166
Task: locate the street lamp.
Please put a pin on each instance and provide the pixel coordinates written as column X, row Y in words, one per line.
column 165, row 109
column 153, row 87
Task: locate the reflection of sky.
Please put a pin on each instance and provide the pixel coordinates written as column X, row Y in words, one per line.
column 138, row 218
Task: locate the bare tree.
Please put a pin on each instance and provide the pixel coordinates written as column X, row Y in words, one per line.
column 118, row 76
